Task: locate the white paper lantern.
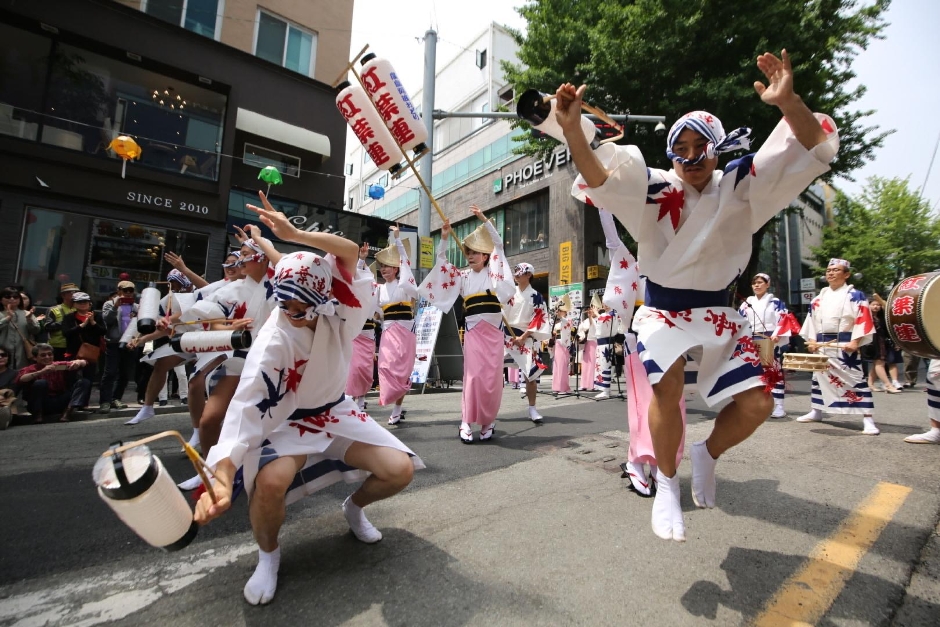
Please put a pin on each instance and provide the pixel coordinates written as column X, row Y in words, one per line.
column 148, row 311
column 211, row 341
column 394, row 106
column 368, row 127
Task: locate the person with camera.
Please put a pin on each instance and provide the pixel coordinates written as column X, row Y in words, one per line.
column 50, row 387
column 17, row 326
column 118, row 313
column 83, row 330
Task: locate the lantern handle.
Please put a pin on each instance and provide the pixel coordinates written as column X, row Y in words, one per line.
column 198, row 463
column 349, row 66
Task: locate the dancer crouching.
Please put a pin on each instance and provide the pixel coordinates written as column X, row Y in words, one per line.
column 290, row 427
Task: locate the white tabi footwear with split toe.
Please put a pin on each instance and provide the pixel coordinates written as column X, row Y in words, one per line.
column 779, row 411
column 263, row 583
column 930, row 437
column 359, row 524
column 639, row 481
column 814, row 415
column 704, row 485
column 146, row 412
column 870, row 428
column 667, row 511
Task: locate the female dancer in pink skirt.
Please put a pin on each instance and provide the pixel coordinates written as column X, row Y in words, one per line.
column 561, row 356
column 485, row 287
column 359, row 379
column 398, row 344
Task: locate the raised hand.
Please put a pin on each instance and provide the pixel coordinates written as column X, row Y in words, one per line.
column 478, row 213
column 568, row 106
column 175, row 260
column 254, row 231
column 240, row 235
column 445, row 230
column 274, row 219
column 779, row 73
column 394, row 231
column 364, row 250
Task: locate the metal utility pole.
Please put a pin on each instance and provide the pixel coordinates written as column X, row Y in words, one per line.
column 427, row 108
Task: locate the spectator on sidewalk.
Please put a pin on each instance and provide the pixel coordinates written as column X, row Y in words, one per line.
column 16, row 327
column 52, row 387
column 911, row 366
column 83, row 330
column 56, row 315
column 118, row 313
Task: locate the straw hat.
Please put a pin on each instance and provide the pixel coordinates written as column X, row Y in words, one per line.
column 564, row 303
column 68, row 287
column 389, row 256
column 479, row 240
column 596, row 302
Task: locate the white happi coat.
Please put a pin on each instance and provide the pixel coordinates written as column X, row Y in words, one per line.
column 445, row 282
column 165, row 349
column 527, row 311
column 563, row 330
column 691, row 240
column 290, row 399
column 767, row 316
column 586, row 330
column 376, row 311
column 402, row 289
column 840, row 315
column 246, row 298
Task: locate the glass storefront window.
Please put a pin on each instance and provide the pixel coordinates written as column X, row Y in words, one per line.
column 61, row 247
column 24, row 59
column 526, row 224
column 91, row 99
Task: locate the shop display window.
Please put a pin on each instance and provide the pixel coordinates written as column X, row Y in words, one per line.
column 61, row 247
column 526, row 224
column 73, row 98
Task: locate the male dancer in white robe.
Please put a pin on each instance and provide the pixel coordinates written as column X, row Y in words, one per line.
column 693, row 225
column 290, row 427
column 838, row 324
column 527, row 314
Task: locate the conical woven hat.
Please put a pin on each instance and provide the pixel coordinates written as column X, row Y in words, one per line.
column 596, row 302
column 479, row 240
column 564, row 304
column 389, row 256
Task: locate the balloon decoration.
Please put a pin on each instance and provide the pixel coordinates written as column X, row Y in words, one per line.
column 376, row 191
column 271, row 176
column 126, row 148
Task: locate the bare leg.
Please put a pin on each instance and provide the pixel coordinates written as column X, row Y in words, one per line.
column 665, row 417
column 879, row 367
column 158, row 378
column 210, row 424
column 531, row 390
column 196, row 398
column 267, row 509
column 391, row 470
column 738, row 420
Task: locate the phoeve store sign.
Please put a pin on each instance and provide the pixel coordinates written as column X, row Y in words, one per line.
column 537, row 169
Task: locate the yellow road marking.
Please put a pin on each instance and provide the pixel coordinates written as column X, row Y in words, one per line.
column 810, row 592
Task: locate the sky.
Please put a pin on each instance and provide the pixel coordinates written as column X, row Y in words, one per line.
column 901, row 72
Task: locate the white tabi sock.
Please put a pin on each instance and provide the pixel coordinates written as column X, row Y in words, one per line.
column 814, row 415
column 260, row 588
column 361, row 402
column 359, row 524
column 638, row 478
column 704, row 483
column 534, row 414
column 667, row 512
column 396, row 410
column 194, row 438
column 930, row 437
column 870, row 428
column 145, row 412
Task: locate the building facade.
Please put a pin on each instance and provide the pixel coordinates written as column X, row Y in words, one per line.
column 207, row 109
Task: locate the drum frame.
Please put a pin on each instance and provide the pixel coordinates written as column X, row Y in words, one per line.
column 912, row 287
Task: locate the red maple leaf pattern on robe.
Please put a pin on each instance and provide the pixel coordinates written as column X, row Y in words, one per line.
column 671, row 203
column 864, row 318
column 294, row 375
column 538, row 319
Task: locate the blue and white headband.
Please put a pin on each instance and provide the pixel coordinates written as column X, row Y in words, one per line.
column 762, row 275
column 179, row 277
column 235, row 253
column 709, row 126
column 845, row 265
column 305, row 277
column 523, row 268
column 257, row 255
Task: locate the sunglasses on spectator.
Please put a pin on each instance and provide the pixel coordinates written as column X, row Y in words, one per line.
column 4, row 355
column 127, row 290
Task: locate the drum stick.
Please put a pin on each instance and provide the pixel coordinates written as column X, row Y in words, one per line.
column 198, row 463
column 592, row 109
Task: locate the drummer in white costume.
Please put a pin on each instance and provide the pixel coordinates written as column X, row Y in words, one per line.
column 769, row 320
column 290, row 427
column 838, row 324
column 694, row 226
column 607, row 325
column 527, row 314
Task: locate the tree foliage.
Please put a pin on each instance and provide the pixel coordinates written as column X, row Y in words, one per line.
column 887, row 233
column 668, row 57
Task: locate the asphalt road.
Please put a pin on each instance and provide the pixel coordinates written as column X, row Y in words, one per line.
column 534, row 528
